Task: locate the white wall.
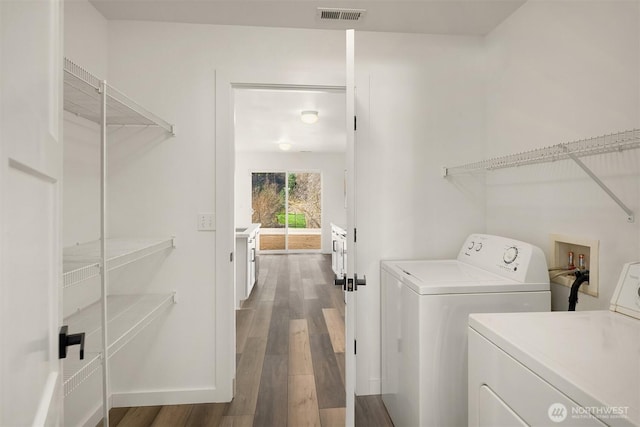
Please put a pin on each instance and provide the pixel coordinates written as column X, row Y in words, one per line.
column 85, row 43
column 562, row 71
column 330, row 165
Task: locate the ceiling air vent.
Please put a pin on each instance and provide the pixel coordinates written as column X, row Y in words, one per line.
column 337, row 14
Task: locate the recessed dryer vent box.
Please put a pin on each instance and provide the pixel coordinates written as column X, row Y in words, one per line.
column 560, row 248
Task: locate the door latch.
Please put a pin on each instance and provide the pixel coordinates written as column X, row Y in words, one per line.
column 348, row 284
column 65, row 340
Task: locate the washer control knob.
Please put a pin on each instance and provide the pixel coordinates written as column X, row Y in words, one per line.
column 510, row 255
column 478, row 246
column 471, row 245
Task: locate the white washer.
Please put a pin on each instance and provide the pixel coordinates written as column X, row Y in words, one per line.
column 425, row 309
column 560, row 368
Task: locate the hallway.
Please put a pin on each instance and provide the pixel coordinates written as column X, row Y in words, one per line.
column 289, row 357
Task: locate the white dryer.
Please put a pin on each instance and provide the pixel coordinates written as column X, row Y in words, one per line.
column 425, row 309
column 560, row 368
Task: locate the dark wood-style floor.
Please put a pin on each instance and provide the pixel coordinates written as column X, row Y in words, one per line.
column 290, row 357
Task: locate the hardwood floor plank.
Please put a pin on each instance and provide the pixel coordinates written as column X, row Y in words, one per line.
column 248, row 374
column 300, row 362
column 250, row 366
column 333, row 417
column 141, row 416
column 322, row 290
column 268, row 290
column 325, row 268
column 370, row 412
column 206, row 415
column 315, row 318
column 272, row 407
column 316, row 271
column 303, row 402
column 172, row 416
column 329, row 384
column 335, row 326
column 244, row 319
column 261, row 320
column 337, row 299
column 278, row 339
column 296, row 304
column 237, row 421
column 309, row 289
column 341, row 365
column 115, row 415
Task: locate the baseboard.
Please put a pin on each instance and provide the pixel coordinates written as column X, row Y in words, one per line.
column 96, row 416
column 166, row 397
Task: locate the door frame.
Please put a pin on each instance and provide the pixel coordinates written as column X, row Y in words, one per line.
column 226, row 82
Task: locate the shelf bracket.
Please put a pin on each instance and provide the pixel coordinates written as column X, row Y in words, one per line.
column 585, row 168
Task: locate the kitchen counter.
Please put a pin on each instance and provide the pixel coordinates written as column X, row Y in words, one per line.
column 245, row 232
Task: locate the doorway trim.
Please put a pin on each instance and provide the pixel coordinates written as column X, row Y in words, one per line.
column 225, row 83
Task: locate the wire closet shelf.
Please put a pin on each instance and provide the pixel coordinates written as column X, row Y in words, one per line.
column 82, row 97
column 620, row 141
column 82, row 261
column 614, row 142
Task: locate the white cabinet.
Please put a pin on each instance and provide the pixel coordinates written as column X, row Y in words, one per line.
column 338, row 250
column 247, row 246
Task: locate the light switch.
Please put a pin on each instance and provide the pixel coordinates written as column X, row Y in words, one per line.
column 206, row 222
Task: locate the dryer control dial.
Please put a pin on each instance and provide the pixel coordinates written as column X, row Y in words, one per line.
column 510, row 255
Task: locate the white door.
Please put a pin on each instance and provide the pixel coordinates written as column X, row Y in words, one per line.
column 350, row 297
column 30, row 172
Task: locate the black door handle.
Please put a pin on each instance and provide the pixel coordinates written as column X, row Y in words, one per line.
column 340, row 281
column 65, row 340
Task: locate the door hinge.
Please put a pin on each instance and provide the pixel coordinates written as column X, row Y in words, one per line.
column 355, row 123
column 355, row 347
column 230, row 256
column 355, row 235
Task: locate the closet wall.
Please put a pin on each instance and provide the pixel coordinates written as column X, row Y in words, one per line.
column 330, row 165
column 558, row 72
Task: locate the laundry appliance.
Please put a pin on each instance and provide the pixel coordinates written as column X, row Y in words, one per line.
column 561, row 368
column 425, row 310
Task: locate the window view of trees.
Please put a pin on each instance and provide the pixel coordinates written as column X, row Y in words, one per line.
column 268, row 198
column 303, row 218
column 305, row 198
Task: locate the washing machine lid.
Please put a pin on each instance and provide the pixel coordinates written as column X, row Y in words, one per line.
column 591, row 356
column 437, row 277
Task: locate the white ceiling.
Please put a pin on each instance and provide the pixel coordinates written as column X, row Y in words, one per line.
column 459, row 17
column 264, row 118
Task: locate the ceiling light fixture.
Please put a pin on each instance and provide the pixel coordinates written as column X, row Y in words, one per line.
column 284, row 146
column 309, row 116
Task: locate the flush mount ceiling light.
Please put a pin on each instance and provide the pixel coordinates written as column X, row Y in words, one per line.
column 309, row 116
column 284, row 146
